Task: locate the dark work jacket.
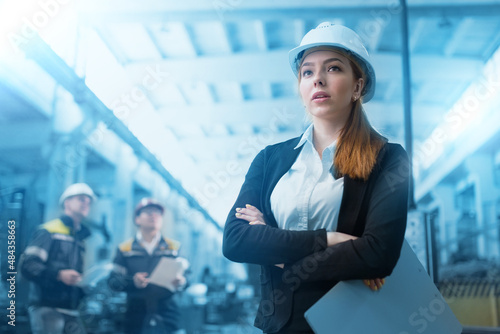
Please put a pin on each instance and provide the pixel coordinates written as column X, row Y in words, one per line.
column 375, row 211
column 153, row 300
column 55, row 246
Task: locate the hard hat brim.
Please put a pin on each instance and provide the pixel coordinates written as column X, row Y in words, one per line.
column 92, row 198
column 146, row 202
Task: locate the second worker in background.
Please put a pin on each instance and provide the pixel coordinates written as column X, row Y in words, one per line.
column 150, row 308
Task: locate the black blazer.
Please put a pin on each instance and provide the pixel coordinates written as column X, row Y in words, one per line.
column 374, row 210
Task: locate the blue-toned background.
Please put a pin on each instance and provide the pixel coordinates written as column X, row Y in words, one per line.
column 173, row 99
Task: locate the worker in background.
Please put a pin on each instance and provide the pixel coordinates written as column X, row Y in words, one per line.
column 53, row 263
column 150, row 308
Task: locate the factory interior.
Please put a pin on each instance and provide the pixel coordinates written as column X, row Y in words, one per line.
column 173, row 100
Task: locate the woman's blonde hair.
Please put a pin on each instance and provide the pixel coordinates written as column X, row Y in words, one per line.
column 359, row 143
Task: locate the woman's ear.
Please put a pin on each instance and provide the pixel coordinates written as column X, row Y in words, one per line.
column 358, row 89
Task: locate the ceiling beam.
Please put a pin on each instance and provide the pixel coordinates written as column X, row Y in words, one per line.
column 274, row 67
column 456, row 40
column 16, row 87
column 195, row 10
column 223, row 143
column 299, row 30
column 260, row 113
column 456, row 152
column 191, row 43
column 260, row 32
column 197, row 93
column 417, row 32
column 267, row 90
column 284, row 113
column 154, row 40
column 493, row 44
column 43, row 55
column 224, row 39
column 112, row 44
column 375, row 38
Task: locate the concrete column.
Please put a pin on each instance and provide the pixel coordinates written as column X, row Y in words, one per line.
column 67, row 155
column 60, row 175
column 122, row 226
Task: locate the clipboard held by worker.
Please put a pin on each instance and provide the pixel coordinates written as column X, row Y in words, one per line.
column 167, row 270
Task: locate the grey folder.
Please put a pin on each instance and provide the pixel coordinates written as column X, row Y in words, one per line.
column 408, row 303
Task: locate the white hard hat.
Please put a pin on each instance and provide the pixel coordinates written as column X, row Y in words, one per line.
column 337, row 36
column 77, row 189
column 145, row 202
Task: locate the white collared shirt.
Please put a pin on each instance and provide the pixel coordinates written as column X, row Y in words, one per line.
column 148, row 246
column 308, row 196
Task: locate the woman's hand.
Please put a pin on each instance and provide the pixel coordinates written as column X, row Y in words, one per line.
column 251, row 214
column 333, row 238
column 374, row 284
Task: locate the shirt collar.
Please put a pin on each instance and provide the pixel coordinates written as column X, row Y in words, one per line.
column 306, row 136
column 153, row 242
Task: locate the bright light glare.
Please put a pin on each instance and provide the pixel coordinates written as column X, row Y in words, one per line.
column 13, row 14
column 467, row 114
column 20, row 21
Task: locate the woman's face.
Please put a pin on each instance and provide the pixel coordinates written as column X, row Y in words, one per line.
column 327, row 85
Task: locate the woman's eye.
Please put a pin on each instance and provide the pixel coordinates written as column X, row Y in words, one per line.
column 334, row 68
column 306, row 73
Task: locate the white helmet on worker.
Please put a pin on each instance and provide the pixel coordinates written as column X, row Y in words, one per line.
column 336, row 36
column 146, row 202
column 77, row 189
